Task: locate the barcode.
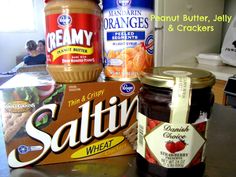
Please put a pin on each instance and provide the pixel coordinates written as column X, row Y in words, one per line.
column 140, row 134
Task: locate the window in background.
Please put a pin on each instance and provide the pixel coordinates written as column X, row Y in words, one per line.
column 16, row 16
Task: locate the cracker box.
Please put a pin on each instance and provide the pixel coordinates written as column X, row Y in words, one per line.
column 44, row 122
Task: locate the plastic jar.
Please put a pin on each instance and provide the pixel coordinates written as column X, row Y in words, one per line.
column 73, row 40
column 174, row 107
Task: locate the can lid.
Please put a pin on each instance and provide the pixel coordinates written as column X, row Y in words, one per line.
column 165, row 77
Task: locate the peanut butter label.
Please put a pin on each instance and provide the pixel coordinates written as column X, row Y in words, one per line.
column 73, row 39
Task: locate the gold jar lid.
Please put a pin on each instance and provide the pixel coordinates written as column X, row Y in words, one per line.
column 165, row 77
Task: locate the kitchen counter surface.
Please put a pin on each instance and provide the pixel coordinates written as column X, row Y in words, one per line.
column 222, row 72
column 221, row 156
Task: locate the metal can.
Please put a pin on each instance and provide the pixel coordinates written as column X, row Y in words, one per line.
column 174, row 108
column 128, row 38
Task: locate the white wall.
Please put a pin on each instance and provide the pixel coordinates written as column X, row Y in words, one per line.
column 13, row 44
column 230, row 9
column 180, row 46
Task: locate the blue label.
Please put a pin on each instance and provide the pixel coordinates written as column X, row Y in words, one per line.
column 64, row 20
column 126, row 35
column 123, row 3
column 149, row 43
column 127, row 88
column 110, row 4
column 106, row 61
column 118, row 22
column 23, row 149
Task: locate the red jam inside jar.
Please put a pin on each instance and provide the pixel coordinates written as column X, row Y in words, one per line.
column 172, row 123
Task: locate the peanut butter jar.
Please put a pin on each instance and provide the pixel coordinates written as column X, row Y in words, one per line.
column 73, row 40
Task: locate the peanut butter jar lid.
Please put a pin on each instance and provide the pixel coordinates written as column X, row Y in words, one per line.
column 165, row 77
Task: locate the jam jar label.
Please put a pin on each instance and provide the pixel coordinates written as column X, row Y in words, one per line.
column 181, row 95
column 73, row 38
column 171, row 145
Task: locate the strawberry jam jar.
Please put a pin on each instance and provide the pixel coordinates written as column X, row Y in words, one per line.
column 174, row 108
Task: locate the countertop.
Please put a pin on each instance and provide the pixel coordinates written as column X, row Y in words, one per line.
column 222, row 72
column 220, row 152
column 5, row 77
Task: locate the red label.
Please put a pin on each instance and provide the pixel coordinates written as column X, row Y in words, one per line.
column 73, row 39
column 171, row 145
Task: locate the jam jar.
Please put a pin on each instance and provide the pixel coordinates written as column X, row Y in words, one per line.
column 174, row 107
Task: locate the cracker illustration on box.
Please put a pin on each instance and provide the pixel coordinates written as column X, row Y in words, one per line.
column 13, row 122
